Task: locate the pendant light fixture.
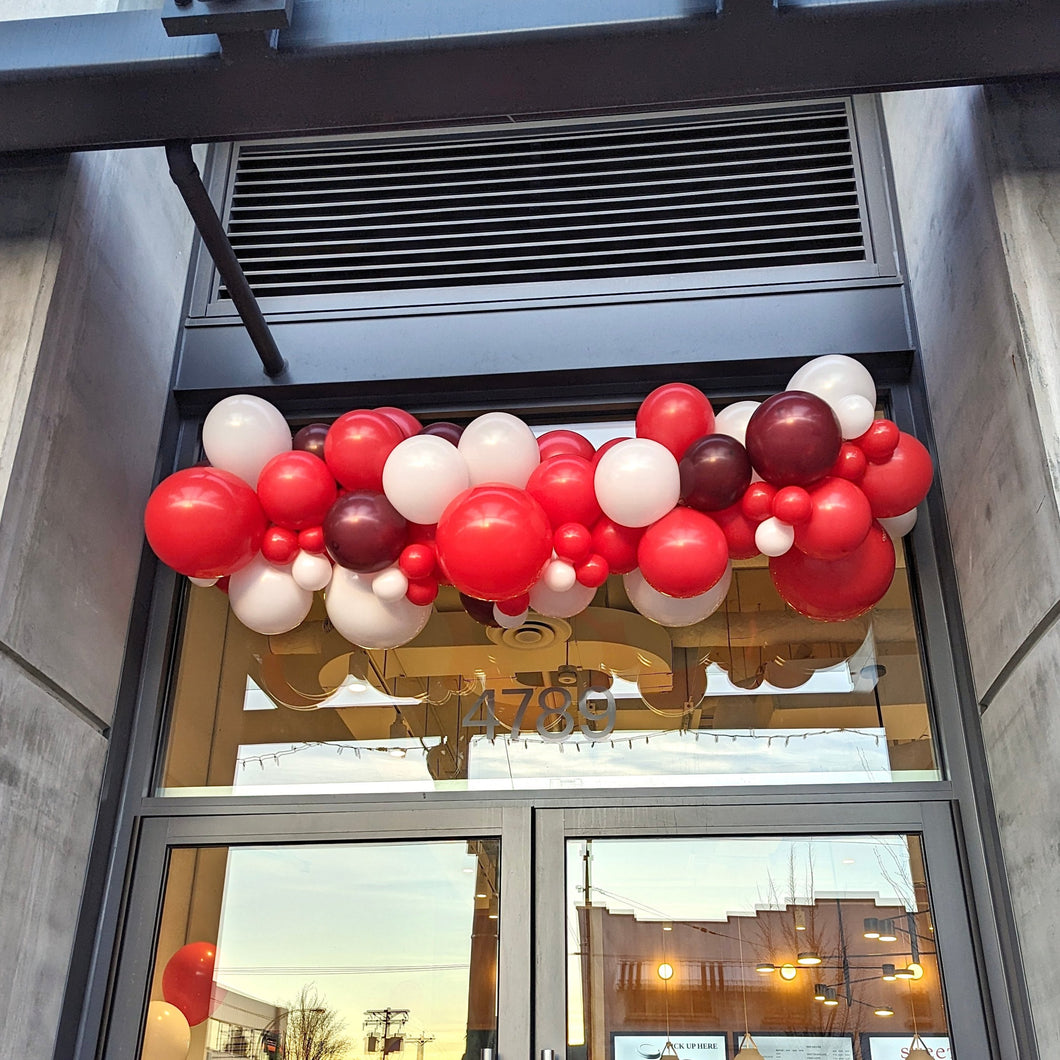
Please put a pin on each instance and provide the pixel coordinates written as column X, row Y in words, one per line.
column 748, row 1049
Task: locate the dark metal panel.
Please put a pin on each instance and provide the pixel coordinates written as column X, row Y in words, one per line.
column 116, row 79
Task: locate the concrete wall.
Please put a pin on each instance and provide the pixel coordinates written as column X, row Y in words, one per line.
column 977, row 176
column 93, row 256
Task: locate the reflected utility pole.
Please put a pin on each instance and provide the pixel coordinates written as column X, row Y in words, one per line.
column 383, row 1025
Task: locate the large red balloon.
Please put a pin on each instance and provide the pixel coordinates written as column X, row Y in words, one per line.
column 357, row 446
column 296, row 489
column 715, row 471
column 364, row 531
column 839, row 520
column 617, row 544
column 493, row 541
column 838, row 589
column 187, row 981
column 683, row 554
column 793, row 439
column 563, row 486
column 675, row 415
column 565, row 443
column 204, row 522
column 900, row 484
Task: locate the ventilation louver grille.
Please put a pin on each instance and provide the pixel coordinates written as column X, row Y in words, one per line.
column 735, row 191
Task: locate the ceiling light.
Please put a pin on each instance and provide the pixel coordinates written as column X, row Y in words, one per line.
column 883, row 1010
column 808, row 957
column 916, row 970
column 887, row 931
column 872, row 927
column 666, row 971
column 765, row 968
column 830, row 996
column 820, row 991
column 788, row 972
column 397, row 752
column 904, row 973
column 889, row 975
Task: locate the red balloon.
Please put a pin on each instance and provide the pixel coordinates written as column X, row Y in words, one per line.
column 617, row 544
column 312, row 539
column 879, row 441
column 757, row 501
column 683, row 554
column 838, row 589
column 793, row 438
column 675, row 415
column 311, row 438
column 792, row 505
column 357, row 446
column 850, row 464
column 187, row 981
column 739, row 532
column 404, row 421
column 573, row 542
column 279, row 545
column 563, row 486
column 422, row 591
column 902, row 483
column 364, row 531
column 417, row 561
column 494, row 540
column 715, row 471
column 296, row 490
column 839, row 521
column 593, row 572
column 204, row 522
column 603, row 449
column 444, row 429
column 517, row 605
column 565, row 443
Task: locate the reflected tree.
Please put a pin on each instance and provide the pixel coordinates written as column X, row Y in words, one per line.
column 312, row 1030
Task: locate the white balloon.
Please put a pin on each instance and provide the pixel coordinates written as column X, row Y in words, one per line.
column 365, row 620
column 899, row 525
column 508, row 621
column 312, row 572
column 637, row 481
column 267, row 599
column 668, row 610
column 391, row 584
column 834, row 376
column 242, row 433
column 559, row 576
column 774, row 538
column 566, row 604
column 167, row 1035
column 204, row 583
column 422, row 475
column 499, row 447
column 855, row 414
column 732, row 420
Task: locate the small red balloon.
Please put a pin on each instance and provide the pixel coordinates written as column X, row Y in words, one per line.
column 675, row 415
column 902, row 483
column 739, row 532
column 573, row 542
column 850, row 464
column 404, row 421
column 279, row 545
column 792, row 505
column 296, row 489
column 565, row 443
column 311, row 539
column 839, row 520
column 187, row 981
column 593, row 572
column 514, row 607
column 879, row 441
column 357, row 446
column 757, row 501
column 563, row 486
column 422, row 591
column 417, row 561
column 617, row 544
column 683, row 554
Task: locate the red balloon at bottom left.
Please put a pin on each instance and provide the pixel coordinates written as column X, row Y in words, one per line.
column 187, row 981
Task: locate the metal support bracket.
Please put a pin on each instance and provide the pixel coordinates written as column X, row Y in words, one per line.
column 245, row 28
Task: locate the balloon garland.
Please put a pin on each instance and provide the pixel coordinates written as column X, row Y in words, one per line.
column 377, row 510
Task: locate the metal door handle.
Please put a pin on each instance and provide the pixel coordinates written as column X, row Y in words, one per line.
column 548, row 1054
column 487, row 1054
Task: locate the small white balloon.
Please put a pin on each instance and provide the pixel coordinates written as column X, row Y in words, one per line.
column 899, row 525
column 267, row 599
column 365, row 620
column 499, row 447
column 668, row 610
column 312, row 572
column 566, row 604
column 242, row 433
column 391, row 584
column 204, row 583
column 732, row 420
column 559, row 576
column 422, row 475
column 167, row 1035
column 774, row 538
column 835, row 376
column 637, row 481
column 855, row 414
column 508, row 621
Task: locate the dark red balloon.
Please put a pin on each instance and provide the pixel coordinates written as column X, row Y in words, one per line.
column 839, row 520
column 296, row 489
column 835, row 590
column 739, row 532
column 617, row 544
column 311, row 438
column 449, row 431
column 683, row 554
column 494, row 540
column 715, row 471
column 480, row 610
column 565, row 443
column 899, row 485
column 364, row 531
column 187, row 981
column 563, row 486
column 793, row 439
column 675, row 415
column 357, row 446
column 204, row 522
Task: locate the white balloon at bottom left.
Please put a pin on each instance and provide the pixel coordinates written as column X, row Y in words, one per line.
column 267, row 599
column 167, row 1036
column 365, row 619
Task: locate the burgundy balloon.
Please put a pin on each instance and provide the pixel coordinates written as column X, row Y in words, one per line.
column 364, row 531
column 793, row 439
column 480, row 610
column 715, row 471
column 444, row 429
column 310, row 439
